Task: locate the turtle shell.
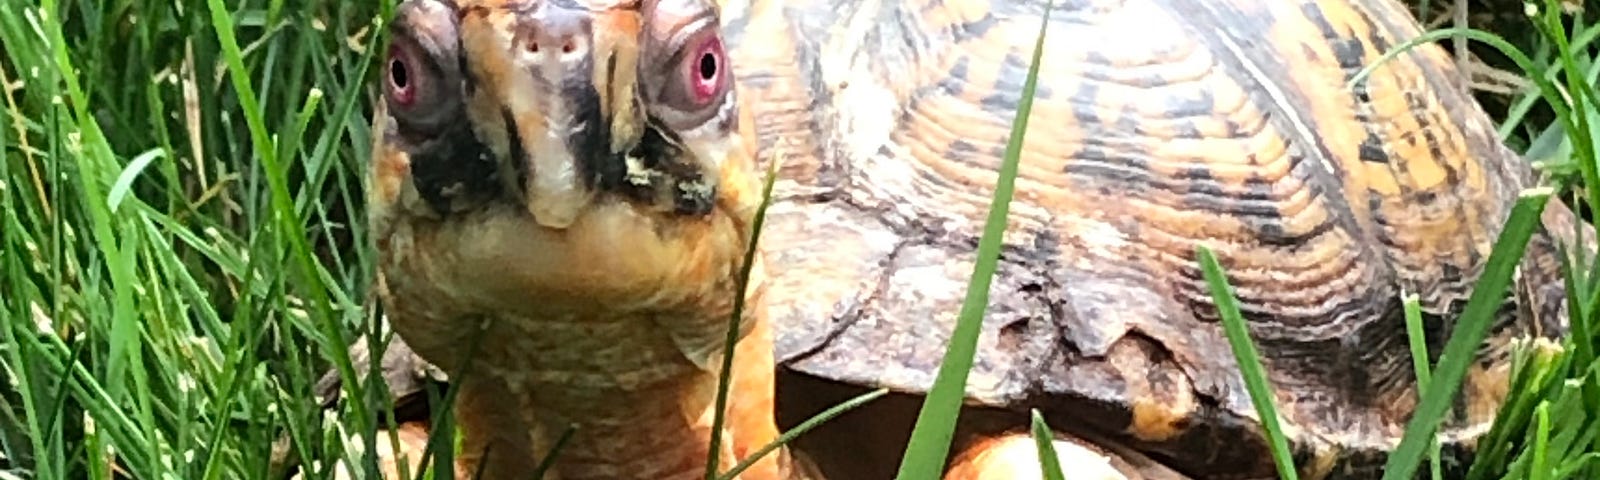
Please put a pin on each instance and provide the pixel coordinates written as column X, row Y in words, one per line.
column 1158, row 126
column 406, row 375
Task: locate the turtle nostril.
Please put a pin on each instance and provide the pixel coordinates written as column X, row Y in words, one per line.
column 555, row 27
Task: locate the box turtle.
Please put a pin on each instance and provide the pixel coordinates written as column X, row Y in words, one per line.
column 562, row 192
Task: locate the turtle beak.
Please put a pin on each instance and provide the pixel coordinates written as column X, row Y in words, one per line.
column 549, row 99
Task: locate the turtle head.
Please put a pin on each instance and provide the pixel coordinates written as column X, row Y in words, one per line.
column 555, row 104
column 571, row 176
column 573, row 149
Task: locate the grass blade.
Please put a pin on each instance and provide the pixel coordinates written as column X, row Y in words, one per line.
column 1470, row 329
column 1244, row 351
column 935, row 427
column 729, row 343
column 1539, row 470
column 1420, row 361
column 801, row 429
column 549, row 460
column 119, row 190
column 1043, row 439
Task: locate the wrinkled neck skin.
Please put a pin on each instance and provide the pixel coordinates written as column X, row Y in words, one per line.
column 614, row 324
column 661, row 430
column 596, row 327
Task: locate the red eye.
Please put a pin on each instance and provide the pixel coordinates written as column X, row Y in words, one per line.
column 705, row 70
column 402, row 76
column 419, row 79
column 691, row 83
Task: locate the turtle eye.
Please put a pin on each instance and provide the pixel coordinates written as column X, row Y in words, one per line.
column 412, row 83
column 402, row 90
column 704, row 71
column 696, row 82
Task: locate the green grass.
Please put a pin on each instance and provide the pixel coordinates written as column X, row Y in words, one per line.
column 1255, row 377
column 936, row 422
column 182, row 252
column 171, row 196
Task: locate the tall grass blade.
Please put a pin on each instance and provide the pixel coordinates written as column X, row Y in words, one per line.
column 1244, row 352
column 935, row 427
column 1488, row 293
column 1420, row 361
column 731, row 340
